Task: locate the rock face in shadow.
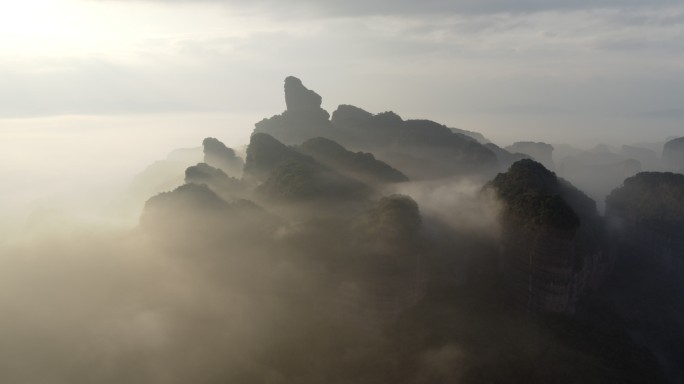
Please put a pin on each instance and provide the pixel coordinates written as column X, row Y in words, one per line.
column 673, row 154
column 539, row 151
column 219, row 156
column 646, row 216
column 551, row 246
column 649, row 210
column 385, row 276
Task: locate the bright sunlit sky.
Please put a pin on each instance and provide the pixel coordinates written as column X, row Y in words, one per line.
column 129, row 80
column 531, row 69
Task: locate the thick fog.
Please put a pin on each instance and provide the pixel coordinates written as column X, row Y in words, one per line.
column 352, row 247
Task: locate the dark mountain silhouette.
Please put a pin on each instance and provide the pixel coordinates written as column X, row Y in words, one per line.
column 646, row 289
column 419, row 148
column 552, row 234
column 351, row 281
column 303, row 119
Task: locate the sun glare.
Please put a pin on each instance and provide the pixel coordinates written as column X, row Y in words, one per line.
column 45, row 26
column 31, row 18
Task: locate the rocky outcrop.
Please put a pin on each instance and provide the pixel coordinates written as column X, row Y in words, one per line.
column 539, row 151
column 298, row 98
column 219, row 156
column 303, row 119
column 418, row 148
column 422, row 149
column 673, row 154
column 551, row 248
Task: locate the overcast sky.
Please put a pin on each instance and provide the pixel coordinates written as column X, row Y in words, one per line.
column 575, row 70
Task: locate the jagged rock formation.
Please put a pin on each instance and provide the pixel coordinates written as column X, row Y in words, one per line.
column 219, row 156
column 303, row 119
column 363, row 166
column 419, row 148
column 299, row 98
column 506, row 159
column 551, row 247
column 540, row 152
column 673, row 154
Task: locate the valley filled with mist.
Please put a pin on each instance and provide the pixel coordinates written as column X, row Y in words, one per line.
column 341, row 247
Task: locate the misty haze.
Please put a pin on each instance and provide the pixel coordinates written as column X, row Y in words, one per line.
column 224, row 191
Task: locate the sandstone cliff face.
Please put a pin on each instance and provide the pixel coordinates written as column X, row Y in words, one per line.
column 551, row 249
column 547, row 270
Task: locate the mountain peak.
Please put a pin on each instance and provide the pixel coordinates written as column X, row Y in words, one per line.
column 300, row 98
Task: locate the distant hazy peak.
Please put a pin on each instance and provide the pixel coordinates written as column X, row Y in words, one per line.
column 300, row 98
column 673, row 154
column 473, row 135
column 212, row 144
column 218, row 155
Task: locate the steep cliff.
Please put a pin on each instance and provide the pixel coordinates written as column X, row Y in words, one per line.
column 551, row 247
